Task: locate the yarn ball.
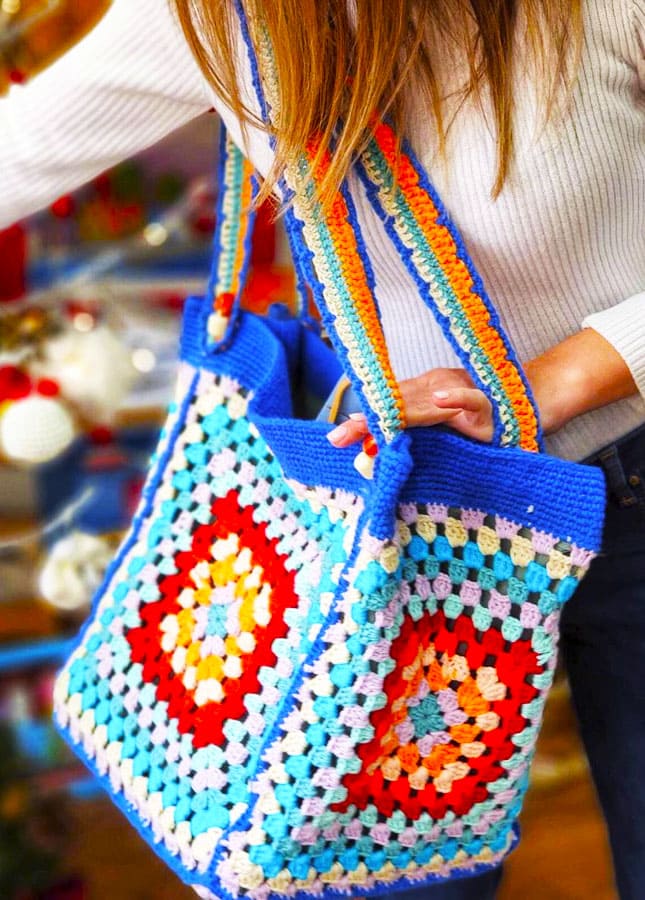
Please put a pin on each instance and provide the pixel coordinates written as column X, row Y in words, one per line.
column 35, row 429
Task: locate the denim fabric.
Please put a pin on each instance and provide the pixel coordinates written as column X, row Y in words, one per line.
column 481, row 887
column 603, row 644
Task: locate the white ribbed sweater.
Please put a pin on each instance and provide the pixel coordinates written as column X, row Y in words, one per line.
column 563, row 246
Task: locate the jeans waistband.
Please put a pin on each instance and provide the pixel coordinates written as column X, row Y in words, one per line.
column 623, row 463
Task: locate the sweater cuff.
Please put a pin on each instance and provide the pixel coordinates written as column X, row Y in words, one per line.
column 623, row 326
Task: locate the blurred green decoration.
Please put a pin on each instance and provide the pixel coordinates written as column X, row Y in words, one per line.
column 169, row 188
column 128, row 182
column 32, row 828
column 120, row 202
column 115, row 209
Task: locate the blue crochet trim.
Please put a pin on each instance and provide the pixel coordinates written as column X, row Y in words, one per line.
column 443, row 321
column 222, row 189
column 540, row 491
column 255, row 71
column 296, row 248
column 463, row 254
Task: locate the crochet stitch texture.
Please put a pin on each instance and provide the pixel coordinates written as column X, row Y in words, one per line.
column 298, row 682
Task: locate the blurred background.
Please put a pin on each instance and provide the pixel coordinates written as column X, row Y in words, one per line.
column 91, row 293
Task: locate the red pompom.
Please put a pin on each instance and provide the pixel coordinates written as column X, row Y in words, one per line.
column 64, row 207
column 101, row 435
column 370, row 446
column 224, row 303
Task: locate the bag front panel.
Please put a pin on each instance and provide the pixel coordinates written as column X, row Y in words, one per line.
column 405, row 755
column 212, row 603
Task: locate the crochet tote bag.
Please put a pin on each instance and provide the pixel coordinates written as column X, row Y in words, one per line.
column 297, row 680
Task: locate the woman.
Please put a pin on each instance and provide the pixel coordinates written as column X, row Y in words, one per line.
column 530, row 118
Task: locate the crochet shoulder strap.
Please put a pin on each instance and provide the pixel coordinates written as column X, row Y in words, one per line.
column 331, row 256
column 432, row 250
column 235, row 216
column 340, row 273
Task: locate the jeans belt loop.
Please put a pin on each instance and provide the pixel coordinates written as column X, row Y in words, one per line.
column 619, row 490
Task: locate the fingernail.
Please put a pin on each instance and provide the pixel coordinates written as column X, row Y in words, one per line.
column 337, row 434
column 357, row 417
column 441, row 395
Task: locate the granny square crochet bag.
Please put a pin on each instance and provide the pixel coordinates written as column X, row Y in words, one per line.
column 301, row 678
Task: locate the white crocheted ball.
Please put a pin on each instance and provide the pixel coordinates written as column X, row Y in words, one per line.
column 74, row 570
column 35, row 430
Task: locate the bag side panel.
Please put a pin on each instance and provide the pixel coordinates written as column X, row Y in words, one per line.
column 196, row 636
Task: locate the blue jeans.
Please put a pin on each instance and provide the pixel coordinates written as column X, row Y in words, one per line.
column 603, row 649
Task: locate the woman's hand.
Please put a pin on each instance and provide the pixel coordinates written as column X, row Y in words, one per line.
column 581, row 373
column 438, row 396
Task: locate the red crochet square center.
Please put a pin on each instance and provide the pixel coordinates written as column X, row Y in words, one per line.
column 454, row 702
column 205, row 678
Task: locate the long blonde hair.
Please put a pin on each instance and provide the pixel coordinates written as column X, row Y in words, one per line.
column 343, row 61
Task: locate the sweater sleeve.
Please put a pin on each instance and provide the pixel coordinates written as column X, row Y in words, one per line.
column 129, row 82
column 623, row 326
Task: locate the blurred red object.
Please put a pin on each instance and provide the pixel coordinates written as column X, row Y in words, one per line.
column 73, row 889
column 64, row 207
column 101, row 435
column 13, row 257
column 132, row 494
column 264, row 237
column 47, row 387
